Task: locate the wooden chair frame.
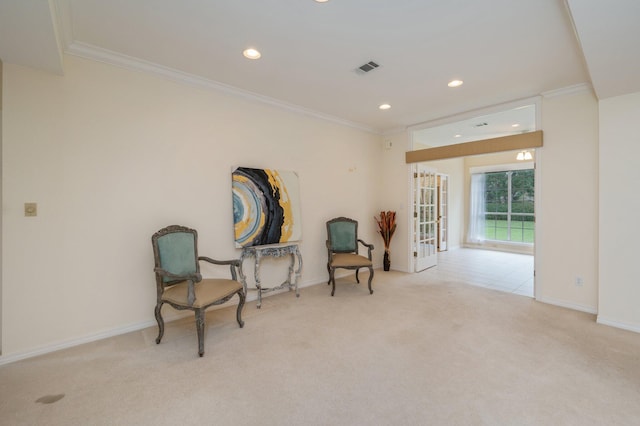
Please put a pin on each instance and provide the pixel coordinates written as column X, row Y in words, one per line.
column 166, row 279
column 359, row 260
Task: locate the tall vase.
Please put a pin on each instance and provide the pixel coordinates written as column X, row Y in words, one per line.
column 386, row 262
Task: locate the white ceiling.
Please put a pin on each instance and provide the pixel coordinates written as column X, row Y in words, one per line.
column 504, row 50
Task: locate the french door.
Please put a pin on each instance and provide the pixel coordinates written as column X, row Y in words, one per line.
column 443, row 212
column 425, row 217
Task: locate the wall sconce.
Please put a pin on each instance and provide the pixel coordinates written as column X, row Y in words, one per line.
column 524, row 155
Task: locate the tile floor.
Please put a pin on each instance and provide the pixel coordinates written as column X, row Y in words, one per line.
column 509, row 272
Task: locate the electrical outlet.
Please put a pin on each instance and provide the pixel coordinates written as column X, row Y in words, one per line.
column 30, row 209
column 579, row 281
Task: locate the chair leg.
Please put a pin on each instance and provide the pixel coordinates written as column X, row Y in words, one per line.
column 200, row 329
column 332, row 280
column 370, row 279
column 329, row 271
column 160, row 322
column 240, row 306
column 357, row 279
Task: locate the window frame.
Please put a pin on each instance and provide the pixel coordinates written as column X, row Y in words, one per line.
column 498, row 168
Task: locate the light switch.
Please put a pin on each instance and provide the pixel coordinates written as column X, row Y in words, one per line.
column 30, row 209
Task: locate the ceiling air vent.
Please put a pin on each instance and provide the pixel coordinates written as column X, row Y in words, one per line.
column 480, row 124
column 369, row 66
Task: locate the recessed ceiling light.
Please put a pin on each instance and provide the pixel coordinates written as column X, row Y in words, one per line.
column 515, row 125
column 321, row 1
column 455, row 83
column 251, row 53
column 457, row 135
column 384, row 106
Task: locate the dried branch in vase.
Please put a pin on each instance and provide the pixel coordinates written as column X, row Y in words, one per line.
column 386, row 227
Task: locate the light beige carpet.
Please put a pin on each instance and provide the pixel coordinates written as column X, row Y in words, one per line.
column 416, row 352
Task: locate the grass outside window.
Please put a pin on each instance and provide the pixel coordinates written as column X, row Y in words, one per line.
column 522, row 231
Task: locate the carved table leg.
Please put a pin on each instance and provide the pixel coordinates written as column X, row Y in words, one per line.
column 243, row 277
column 290, row 275
column 257, row 276
column 299, row 270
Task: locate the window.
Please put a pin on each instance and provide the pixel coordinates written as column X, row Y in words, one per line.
column 502, row 206
column 509, row 199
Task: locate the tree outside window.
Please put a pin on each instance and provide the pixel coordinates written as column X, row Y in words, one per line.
column 509, row 206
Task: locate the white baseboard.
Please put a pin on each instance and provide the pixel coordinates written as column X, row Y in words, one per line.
column 599, row 318
column 570, row 305
column 7, row 359
column 174, row 316
column 618, row 324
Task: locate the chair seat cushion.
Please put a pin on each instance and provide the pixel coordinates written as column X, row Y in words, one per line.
column 207, row 291
column 345, row 260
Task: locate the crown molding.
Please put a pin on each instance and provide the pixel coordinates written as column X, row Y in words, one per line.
column 394, row 131
column 569, row 90
column 94, row 53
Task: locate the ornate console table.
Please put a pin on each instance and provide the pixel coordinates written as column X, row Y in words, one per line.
column 272, row 251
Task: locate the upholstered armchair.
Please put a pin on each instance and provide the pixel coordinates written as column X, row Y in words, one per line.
column 342, row 250
column 180, row 284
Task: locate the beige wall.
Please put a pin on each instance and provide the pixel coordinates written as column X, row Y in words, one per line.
column 567, row 208
column 111, row 156
column 1, row 198
column 619, row 290
column 393, row 196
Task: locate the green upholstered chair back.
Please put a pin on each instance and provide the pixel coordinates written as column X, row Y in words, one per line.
column 176, row 251
column 343, row 235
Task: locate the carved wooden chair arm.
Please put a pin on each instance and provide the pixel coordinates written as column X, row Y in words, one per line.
column 368, row 246
column 234, row 264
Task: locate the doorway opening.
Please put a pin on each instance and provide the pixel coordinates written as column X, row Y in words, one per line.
column 508, row 215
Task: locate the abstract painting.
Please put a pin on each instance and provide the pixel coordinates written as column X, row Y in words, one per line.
column 266, row 206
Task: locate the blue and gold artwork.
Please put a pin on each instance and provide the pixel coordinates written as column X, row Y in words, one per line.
column 266, row 206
